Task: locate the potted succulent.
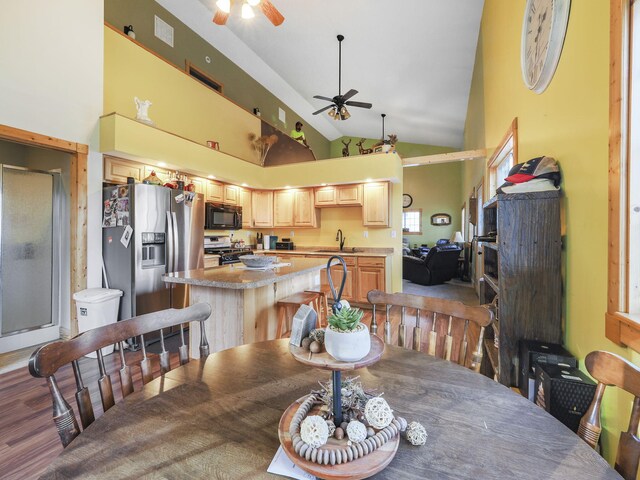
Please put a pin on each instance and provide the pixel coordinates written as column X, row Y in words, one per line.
column 346, row 338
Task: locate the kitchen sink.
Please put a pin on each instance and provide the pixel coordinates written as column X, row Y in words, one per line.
column 351, row 250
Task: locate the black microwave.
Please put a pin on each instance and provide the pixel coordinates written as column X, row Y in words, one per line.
column 222, row 217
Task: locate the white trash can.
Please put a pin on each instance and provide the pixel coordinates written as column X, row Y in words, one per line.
column 96, row 307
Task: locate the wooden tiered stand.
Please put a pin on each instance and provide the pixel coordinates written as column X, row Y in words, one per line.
column 363, row 467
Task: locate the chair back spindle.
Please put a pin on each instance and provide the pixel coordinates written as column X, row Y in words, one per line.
column 610, row 369
column 452, row 341
column 165, row 363
column 374, row 322
column 417, row 333
column 104, row 382
column 49, row 358
column 126, row 380
column 183, row 350
column 83, row 398
column 402, row 329
column 387, row 326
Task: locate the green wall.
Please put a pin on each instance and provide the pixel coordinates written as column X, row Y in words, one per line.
column 404, row 149
column 238, row 86
column 435, row 189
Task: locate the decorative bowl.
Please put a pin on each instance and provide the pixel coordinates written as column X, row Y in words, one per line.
column 256, row 261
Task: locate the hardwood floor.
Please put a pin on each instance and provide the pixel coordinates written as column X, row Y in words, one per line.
column 29, row 438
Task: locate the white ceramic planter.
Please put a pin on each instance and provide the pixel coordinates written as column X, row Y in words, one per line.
column 348, row 346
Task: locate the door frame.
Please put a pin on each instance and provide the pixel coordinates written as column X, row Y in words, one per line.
column 78, row 203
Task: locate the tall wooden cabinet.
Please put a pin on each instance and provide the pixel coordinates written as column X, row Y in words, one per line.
column 522, row 269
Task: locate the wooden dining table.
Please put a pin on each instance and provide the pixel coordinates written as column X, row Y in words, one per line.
column 218, row 418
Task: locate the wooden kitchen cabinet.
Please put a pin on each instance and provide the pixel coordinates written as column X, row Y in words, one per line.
column 304, row 210
column 349, row 195
column 294, row 208
column 231, row 194
column 336, row 275
column 375, row 204
column 339, row 196
column 200, row 185
column 262, row 208
column 117, row 170
column 244, row 200
column 370, row 276
column 283, row 208
column 215, row 192
column 161, row 173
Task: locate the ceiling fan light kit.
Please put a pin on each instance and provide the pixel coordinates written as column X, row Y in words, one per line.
column 338, row 107
column 224, row 10
column 247, row 11
column 224, row 5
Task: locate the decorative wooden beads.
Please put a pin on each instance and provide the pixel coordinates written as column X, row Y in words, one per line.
column 336, row 456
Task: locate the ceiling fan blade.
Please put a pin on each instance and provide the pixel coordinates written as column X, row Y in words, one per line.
column 349, row 94
column 271, row 12
column 220, row 18
column 319, row 97
column 358, row 104
column 323, row 109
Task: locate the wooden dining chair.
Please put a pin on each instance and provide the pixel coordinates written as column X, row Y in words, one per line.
column 46, row 361
column 452, row 330
column 610, row 369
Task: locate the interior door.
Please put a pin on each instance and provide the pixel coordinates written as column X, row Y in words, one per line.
column 29, row 255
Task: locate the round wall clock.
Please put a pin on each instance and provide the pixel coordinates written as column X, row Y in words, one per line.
column 407, row 200
column 543, row 31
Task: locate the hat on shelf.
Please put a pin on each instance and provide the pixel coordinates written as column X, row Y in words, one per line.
column 536, row 175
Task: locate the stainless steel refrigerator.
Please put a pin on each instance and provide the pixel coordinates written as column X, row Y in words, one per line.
column 167, row 236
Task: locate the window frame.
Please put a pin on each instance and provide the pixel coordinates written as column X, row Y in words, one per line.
column 407, row 210
column 207, row 79
column 621, row 326
column 509, row 144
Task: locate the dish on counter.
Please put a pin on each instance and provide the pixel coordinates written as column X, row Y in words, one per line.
column 256, row 261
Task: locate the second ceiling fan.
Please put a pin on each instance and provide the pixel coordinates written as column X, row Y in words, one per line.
column 339, row 103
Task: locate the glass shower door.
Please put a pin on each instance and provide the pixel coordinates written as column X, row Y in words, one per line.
column 27, row 257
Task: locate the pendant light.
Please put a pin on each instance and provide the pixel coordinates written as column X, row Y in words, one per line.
column 386, row 144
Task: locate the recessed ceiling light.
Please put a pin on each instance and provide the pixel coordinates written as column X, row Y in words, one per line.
column 244, row 185
column 162, row 164
column 323, row 184
column 368, row 180
column 211, row 176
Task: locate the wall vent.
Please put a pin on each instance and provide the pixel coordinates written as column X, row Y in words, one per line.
column 163, row 31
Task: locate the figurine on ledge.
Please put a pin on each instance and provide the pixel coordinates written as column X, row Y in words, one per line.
column 298, row 134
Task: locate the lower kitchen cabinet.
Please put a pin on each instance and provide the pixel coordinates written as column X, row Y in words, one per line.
column 369, row 278
column 336, row 276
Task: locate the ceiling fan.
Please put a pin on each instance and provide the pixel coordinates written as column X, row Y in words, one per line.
column 339, row 102
column 271, row 12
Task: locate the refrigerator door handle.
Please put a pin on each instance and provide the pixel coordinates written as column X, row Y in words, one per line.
column 170, row 245
column 176, row 242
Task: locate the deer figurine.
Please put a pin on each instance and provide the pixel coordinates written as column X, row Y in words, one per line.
column 363, row 151
column 345, row 150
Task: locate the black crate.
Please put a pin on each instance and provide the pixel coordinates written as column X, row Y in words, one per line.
column 564, row 392
column 533, row 352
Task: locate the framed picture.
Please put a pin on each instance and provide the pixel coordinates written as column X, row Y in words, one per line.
column 439, row 219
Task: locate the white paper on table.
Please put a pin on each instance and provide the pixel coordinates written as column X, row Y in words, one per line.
column 281, row 465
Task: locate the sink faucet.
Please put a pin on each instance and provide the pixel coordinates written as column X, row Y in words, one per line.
column 340, row 238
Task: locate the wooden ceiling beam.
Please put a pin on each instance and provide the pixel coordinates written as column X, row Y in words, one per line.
column 444, row 157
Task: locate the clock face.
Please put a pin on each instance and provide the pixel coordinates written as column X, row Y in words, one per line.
column 543, row 32
column 407, row 200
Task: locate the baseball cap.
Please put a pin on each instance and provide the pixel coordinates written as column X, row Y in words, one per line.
column 539, row 167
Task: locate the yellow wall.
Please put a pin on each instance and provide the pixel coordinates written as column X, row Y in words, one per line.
column 569, row 121
column 181, row 105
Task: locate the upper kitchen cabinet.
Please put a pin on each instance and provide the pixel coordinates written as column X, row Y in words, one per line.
column 200, row 185
column 375, row 204
column 117, row 170
column 231, row 194
column 339, row 195
column 161, row 173
column 244, row 196
column 262, row 208
column 215, row 192
column 294, row 208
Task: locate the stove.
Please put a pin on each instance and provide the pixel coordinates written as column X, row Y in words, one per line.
column 221, row 245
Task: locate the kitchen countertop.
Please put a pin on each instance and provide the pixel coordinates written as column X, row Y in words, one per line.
column 237, row 277
column 345, row 253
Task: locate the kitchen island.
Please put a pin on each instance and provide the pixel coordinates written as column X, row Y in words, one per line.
column 243, row 301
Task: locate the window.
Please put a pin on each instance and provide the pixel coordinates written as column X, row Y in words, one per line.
column 623, row 310
column 412, row 222
column 504, row 157
column 203, row 77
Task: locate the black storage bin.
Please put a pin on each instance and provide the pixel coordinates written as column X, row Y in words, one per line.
column 533, row 352
column 564, row 392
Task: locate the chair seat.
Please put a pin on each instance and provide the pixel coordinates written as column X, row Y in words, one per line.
column 287, row 305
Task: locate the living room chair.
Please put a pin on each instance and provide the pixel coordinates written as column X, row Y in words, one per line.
column 439, row 265
column 610, row 369
column 452, row 330
column 49, row 358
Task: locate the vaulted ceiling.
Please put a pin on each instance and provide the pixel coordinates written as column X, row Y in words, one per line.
column 412, row 59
